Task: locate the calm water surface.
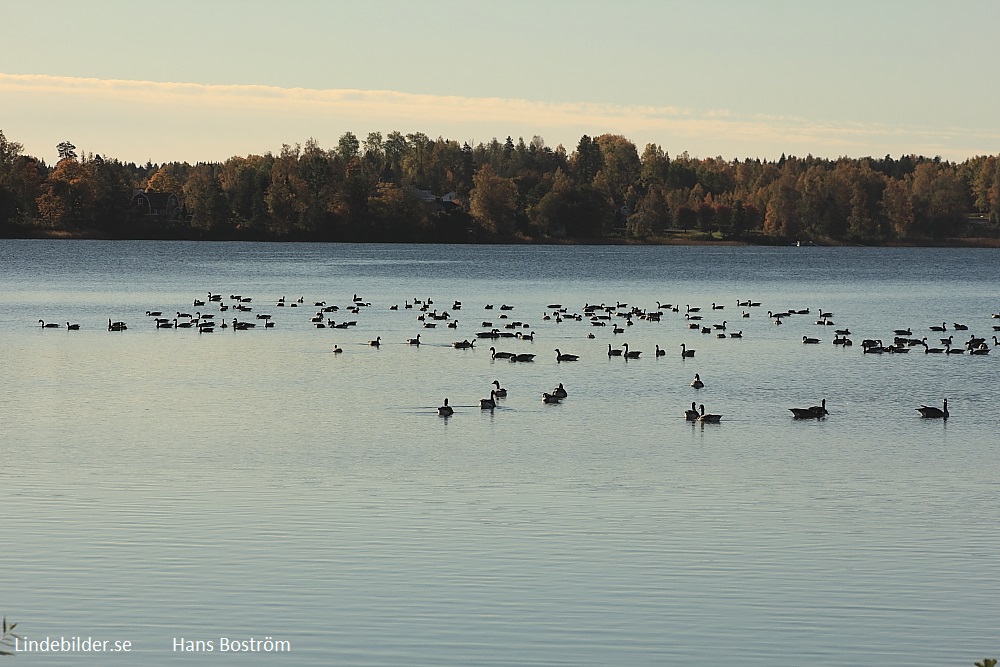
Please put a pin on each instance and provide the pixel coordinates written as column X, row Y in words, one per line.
column 159, row 484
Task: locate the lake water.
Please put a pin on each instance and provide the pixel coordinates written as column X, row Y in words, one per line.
column 161, row 484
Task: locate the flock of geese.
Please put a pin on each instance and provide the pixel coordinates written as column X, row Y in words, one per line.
column 619, row 316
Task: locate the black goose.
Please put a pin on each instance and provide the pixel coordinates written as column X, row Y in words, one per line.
column 934, row 413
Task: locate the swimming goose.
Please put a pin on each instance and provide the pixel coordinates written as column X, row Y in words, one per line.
column 612, row 352
column 446, row 410
column 810, row 341
column 550, row 398
column 630, row 354
column 337, row 350
column 414, row 341
column 376, row 342
column 72, row 327
column 565, row 357
column 932, row 412
column 709, row 418
column 523, row 357
column 50, row 325
column 560, row 391
column 685, row 353
column 814, row 412
column 663, row 353
column 692, row 414
column 499, row 391
column 697, row 383
column 488, row 403
column 943, row 327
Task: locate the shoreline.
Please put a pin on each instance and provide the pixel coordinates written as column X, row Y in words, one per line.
column 676, row 240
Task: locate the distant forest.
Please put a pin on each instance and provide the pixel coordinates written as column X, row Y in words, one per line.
column 413, row 188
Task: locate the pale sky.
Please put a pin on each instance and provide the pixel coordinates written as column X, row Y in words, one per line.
column 206, row 80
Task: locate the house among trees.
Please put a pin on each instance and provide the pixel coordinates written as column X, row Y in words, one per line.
column 156, row 203
column 437, row 203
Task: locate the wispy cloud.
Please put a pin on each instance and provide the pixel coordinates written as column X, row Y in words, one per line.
column 191, row 121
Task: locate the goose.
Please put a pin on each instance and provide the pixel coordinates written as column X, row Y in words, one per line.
column 463, row 344
column 414, row 341
column 550, row 398
column 630, row 354
column 663, row 353
column 720, row 327
column 376, row 342
column 560, row 391
column 814, row 412
column 746, row 314
column 565, row 357
column 903, row 332
column 697, row 383
column 717, row 307
column 738, row 334
column 183, row 325
column 72, row 327
column 692, row 414
column 50, row 325
column 526, row 336
column 499, row 391
column 692, row 310
column 810, row 341
column 446, row 410
column 116, row 326
column 523, row 357
column 198, row 302
column 943, row 327
column 686, row 353
column 488, row 403
column 612, row 352
column 165, row 324
column 153, row 313
column 500, row 355
column 337, row 349
column 948, row 349
column 708, row 418
column 996, row 343
column 934, row 413
column 959, row 327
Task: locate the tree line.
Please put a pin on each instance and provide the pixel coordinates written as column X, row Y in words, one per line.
column 605, row 190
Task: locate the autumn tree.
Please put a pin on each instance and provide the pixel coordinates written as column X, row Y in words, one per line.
column 167, row 179
column 897, row 207
column 204, row 198
column 493, row 201
column 67, row 194
column 571, row 209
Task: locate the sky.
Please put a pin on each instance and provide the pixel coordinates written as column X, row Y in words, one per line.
column 202, row 81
